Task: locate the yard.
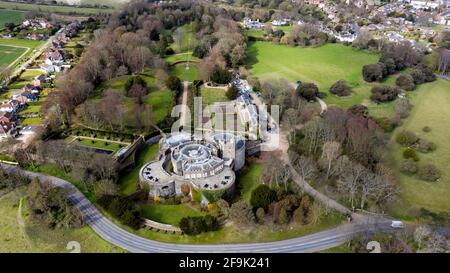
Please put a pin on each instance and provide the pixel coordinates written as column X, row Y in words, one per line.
column 53, row 8
column 128, row 182
column 322, row 65
column 184, row 74
column 431, row 108
column 212, row 95
column 168, row 214
column 99, row 144
column 249, row 179
column 10, row 16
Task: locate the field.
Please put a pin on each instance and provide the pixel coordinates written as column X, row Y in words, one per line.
column 9, row 54
column 128, row 182
column 184, row 74
column 187, row 41
column 431, row 108
column 185, row 56
column 168, row 214
column 322, row 65
column 10, row 16
column 19, row 233
column 59, row 9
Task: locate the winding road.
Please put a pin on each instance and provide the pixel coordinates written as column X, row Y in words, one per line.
column 114, row 234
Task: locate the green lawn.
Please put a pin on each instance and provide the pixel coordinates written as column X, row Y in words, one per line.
column 19, row 233
column 184, row 74
column 9, row 54
column 168, row 214
column 431, row 108
column 212, row 95
column 104, row 145
column 128, row 182
column 10, row 16
column 249, row 179
column 30, row 74
column 20, row 42
column 185, row 56
column 188, row 42
column 322, row 65
column 31, row 121
column 31, row 109
column 53, row 8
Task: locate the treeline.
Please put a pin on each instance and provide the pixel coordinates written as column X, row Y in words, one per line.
column 51, row 205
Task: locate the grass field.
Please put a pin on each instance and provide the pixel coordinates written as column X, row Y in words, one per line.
column 188, row 42
column 323, row 66
column 128, row 182
column 212, row 95
column 9, row 54
column 249, row 179
column 184, row 74
column 431, row 108
column 168, row 214
column 19, row 233
column 10, row 16
column 59, row 9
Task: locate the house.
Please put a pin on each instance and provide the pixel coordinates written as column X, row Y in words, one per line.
column 12, row 106
column 31, row 88
column 6, row 118
column 25, row 96
column 249, row 23
column 281, row 22
column 53, row 56
column 51, row 68
column 39, row 80
column 7, row 131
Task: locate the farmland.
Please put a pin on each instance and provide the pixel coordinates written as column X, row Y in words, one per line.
column 59, row 9
column 10, row 16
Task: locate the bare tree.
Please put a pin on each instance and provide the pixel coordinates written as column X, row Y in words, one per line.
column 330, row 152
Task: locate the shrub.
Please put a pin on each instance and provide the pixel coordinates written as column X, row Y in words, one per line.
column 387, row 124
column 425, row 146
column 262, row 196
column 405, row 82
column 384, row 93
column 308, row 91
column 406, row 138
column 232, row 93
column 372, row 72
column 429, row 172
column 197, row 225
column 169, row 51
column 174, row 83
column 410, row 153
column 260, row 214
column 221, row 75
column 340, row 88
column 408, row 166
column 418, row 76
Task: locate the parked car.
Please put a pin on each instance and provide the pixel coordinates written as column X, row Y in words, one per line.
column 397, row 224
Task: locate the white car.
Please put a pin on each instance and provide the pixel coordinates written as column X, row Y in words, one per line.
column 397, row 224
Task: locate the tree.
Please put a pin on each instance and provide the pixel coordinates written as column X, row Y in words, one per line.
column 283, row 217
column 402, row 107
column 406, row 138
column 408, row 166
column 232, row 93
column 405, row 82
column 241, row 213
column 223, row 207
column 418, row 76
column 421, row 234
column 384, row 93
column 178, row 37
column 262, row 196
column 308, row 91
column 372, row 72
column 196, row 225
column 340, row 88
column 330, row 152
column 174, row 83
column 409, row 153
column 429, row 172
column 260, row 214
